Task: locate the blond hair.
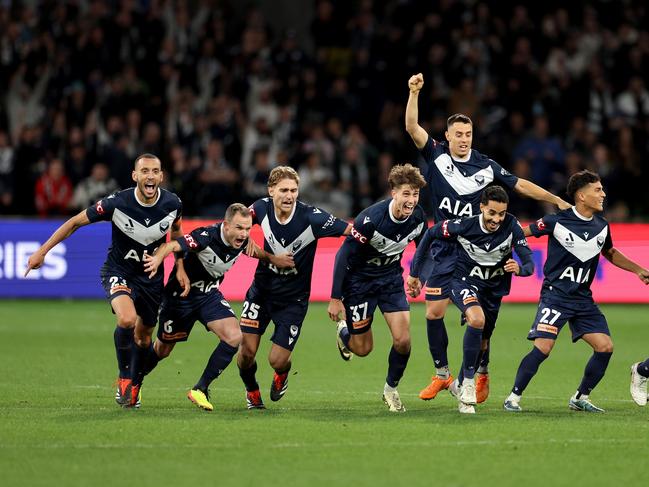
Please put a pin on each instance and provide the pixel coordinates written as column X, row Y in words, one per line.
column 282, row 172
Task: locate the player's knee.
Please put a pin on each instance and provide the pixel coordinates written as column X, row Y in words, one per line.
column 278, row 363
column 232, row 337
column 162, row 350
column 433, row 314
column 142, row 340
column 362, row 348
column 605, row 347
column 126, row 320
column 402, row 344
column 545, row 348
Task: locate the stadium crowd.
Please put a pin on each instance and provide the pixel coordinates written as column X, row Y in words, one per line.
column 552, row 87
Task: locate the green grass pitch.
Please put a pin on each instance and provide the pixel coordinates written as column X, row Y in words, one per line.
column 59, row 424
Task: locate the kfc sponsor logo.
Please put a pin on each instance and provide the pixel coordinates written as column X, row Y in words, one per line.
column 445, row 229
column 358, row 236
column 99, row 208
column 191, row 243
column 539, row 224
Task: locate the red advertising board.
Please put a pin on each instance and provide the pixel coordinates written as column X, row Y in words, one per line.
column 611, row 285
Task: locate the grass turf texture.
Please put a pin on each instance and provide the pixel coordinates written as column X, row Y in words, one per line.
column 60, row 426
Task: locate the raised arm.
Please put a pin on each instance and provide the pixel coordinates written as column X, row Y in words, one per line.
column 531, row 190
column 618, row 259
column 416, row 131
column 64, row 231
column 281, row 261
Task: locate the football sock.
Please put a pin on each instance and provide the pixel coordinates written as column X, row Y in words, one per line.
column 151, row 361
column 345, row 336
column 218, row 361
column 527, row 369
column 643, row 368
column 396, row 365
column 248, row 377
column 593, row 373
column 472, row 342
column 483, row 361
column 123, row 338
column 138, row 359
column 437, row 341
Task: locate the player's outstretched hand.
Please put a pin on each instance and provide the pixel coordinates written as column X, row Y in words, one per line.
column 644, row 276
column 512, row 266
column 416, row 83
column 151, row 264
column 183, row 280
column 336, row 310
column 282, row 261
column 413, row 285
column 35, row 261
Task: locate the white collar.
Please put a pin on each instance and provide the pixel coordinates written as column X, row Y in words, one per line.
column 481, row 221
column 579, row 215
column 290, row 217
column 465, row 159
column 392, row 217
column 144, row 204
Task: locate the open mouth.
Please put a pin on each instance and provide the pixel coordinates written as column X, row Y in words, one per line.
column 149, row 187
column 407, row 208
column 238, row 242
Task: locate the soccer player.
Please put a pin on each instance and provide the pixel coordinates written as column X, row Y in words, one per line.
column 281, row 295
column 639, row 376
column 368, row 273
column 211, row 252
column 456, row 175
column 576, row 237
column 482, row 276
column 141, row 218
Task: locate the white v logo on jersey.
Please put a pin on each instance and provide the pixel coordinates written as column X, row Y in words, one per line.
column 486, row 257
column 302, row 240
column 387, row 246
column 213, row 264
column 461, row 184
column 584, row 250
column 138, row 232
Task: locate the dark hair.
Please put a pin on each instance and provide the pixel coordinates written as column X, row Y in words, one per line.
column 406, row 174
column 236, row 208
column 457, row 117
column 580, row 180
column 146, row 155
column 494, row 193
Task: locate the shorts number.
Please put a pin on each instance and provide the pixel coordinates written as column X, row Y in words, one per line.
column 250, row 310
column 356, row 316
column 545, row 314
column 116, row 281
column 167, row 326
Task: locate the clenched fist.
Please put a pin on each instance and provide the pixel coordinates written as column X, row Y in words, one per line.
column 416, row 83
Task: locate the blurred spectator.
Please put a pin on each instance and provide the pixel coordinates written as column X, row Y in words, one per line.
column 6, row 173
column 217, row 178
column 94, row 187
column 53, row 192
column 255, row 182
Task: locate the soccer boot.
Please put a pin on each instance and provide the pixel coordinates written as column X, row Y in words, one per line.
column 512, row 406
column 133, row 396
column 481, row 387
column 278, row 386
column 345, row 353
column 253, row 400
column 200, row 398
column 638, row 386
column 122, row 389
column 583, row 404
column 467, row 392
column 454, row 389
column 465, row 408
column 436, row 385
column 393, row 401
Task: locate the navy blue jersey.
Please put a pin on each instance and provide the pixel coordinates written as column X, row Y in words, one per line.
column 482, row 254
column 298, row 235
column 375, row 246
column 455, row 186
column 208, row 258
column 137, row 229
column 574, row 245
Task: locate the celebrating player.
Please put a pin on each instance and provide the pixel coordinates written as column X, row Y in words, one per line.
column 368, row 274
column 456, row 175
column 211, row 252
column 576, row 238
column 482, row 276
column 141, row 217
column 281, row 295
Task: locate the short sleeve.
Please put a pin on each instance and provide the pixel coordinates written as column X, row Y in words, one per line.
column 103, row 209
column 502, row 175
column 196, row 240
column 543, row 226
column 608, row 241
column 363, row 228
column 325, row 224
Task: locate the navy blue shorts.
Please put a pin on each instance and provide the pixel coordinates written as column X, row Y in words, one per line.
column 361, row 297
column 145, row 293
column 466, row 295
column 440, row 266
column 288, row 316
column 583, row 318
column 178, row 315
